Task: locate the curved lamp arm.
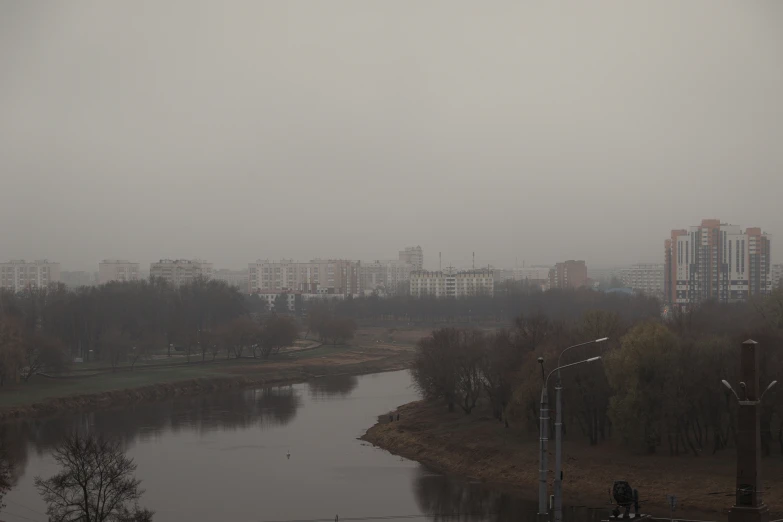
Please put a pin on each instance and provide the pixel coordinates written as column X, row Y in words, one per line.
column 591, row 359
column 595, row 341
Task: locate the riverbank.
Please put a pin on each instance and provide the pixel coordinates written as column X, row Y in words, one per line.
column 478, row 447
column 105, row 390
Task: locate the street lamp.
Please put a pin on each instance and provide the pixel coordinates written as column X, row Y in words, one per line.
column 544, row 434
column 742, row 384
column 558, row 484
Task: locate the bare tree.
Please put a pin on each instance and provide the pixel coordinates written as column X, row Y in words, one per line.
column 6, row 475
column 11, row 348
column 278, row 332
column 434, row 366
column 468, row 368
column 42, row 352
column 95, row 483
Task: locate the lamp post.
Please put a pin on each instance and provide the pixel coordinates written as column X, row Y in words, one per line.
column 558, row 484
column 544, row 440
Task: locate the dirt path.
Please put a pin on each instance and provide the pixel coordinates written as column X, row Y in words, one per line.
column 479, row 447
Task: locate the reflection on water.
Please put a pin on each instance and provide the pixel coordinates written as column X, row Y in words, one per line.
column 260, row 408
column 333, row 386
column 232, row 446
column 451, row 499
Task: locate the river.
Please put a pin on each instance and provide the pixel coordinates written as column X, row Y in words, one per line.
column 224, row 457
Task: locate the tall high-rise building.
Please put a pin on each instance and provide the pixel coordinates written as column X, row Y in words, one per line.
column 18, row 275
column 777, row 276
column 716, row 261
column 326, row 276
column 413, row 256
column 568, row 274
column 180, row 271
column 117, row 270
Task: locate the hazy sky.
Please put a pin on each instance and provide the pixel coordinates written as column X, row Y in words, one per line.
column 237, row 130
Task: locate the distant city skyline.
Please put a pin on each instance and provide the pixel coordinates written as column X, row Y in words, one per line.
column 462, row 261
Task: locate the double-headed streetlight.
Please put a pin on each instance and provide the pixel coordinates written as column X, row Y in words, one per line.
column 558, row 484
column 544, row 434
column 745, row 400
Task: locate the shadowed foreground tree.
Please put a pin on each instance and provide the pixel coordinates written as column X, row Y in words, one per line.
column 95, row 483
column 278, row 332
column 43, row 353
column 6, row 475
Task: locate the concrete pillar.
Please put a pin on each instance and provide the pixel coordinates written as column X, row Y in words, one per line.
column 749, row 505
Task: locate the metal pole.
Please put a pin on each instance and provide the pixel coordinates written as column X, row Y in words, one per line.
column 558, row 485
column 543, row 510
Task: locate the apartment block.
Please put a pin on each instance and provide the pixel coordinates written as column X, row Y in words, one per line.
column 644, row 278
column 332, row 276
column 413, row 256
column 117, row 270
column 386, row 276
column 451, row 283
column 568, row 274
column 716, row 261
column 181, row 271
column 18, row 275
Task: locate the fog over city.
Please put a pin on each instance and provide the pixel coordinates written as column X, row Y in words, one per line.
column 232, row 131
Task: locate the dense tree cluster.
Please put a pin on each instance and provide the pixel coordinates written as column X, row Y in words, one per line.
column 510, row 300
column 41, row 330
column 658, row 389
column 328, row 326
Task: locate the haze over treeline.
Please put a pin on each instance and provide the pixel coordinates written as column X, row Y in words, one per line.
column 237, row 130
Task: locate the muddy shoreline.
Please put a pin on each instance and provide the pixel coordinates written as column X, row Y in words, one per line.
column 478, row 448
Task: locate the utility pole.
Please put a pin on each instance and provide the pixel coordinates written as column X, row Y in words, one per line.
column 749, row 505
column 543, row 443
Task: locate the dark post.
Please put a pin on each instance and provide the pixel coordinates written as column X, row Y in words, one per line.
column 749, row 506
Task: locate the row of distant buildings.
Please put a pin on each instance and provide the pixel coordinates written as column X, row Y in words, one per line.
column 711, row 261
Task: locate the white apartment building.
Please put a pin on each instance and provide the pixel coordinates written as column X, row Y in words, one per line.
column 385, row 275
column 716, row 261
column 531, row 274
column 270, row 296
column 452, row 284
column 117, row 270
column 644, row 278
column 181, row 271
column 18, row 275
column 324, row 276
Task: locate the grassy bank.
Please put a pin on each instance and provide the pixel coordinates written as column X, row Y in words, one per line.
column 44, row 396
column 478, row 447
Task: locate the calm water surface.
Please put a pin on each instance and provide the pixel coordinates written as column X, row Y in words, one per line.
column 223, row 457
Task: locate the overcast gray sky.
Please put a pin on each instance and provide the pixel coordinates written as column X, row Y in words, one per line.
column 237, row 130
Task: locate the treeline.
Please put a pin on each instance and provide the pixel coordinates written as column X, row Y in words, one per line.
column 509, row 301
column 658, row 387
column 42, row 330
